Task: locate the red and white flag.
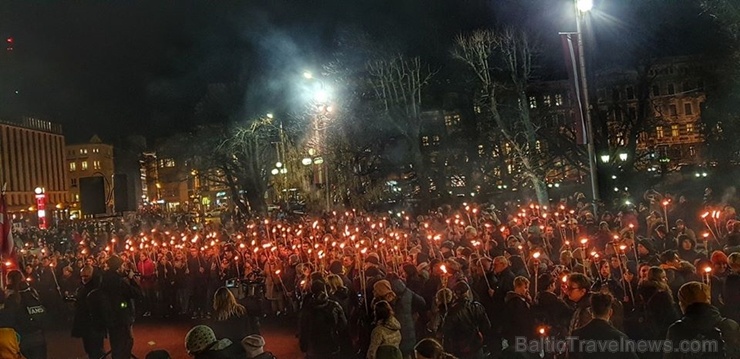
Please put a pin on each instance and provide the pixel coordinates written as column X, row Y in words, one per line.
column 6, row 235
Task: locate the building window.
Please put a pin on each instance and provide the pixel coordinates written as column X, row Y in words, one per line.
column 95, row 150
column 674, row 131
column 656, row 90
column 425, row 141
column 689, row 128
column 558, row 99
column 74, row 182
column 451, row 121
column 83, row 151
column 72, row 166
column 167, row 162
column 659, row 131
column 96, row 165
column 671, row 89
column 672, row 110
column 547, row 101
column 532, row 102
column 435, row 140
column 688, row 109
column 692, row 151
column 630, row 93
column 476, row 109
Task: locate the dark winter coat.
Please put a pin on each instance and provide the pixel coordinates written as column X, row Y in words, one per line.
column 520, row 318
column 223, row 349
column 464, row 328
column 235, row 328
column 407, row 303
column 601, row 331
column 322, row 322
column 701, row 318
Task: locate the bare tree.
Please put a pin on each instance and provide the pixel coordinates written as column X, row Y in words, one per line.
column 398, row 83
column 502, row 63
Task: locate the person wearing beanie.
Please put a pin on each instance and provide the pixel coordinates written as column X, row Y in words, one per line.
column 382, row 291
column 720, row 269
column 201, row 343
column 254, row 346
column 703, row 320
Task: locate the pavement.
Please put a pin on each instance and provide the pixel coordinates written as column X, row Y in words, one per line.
column 153, row 334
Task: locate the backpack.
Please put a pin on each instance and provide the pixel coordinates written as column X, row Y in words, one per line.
column 712, row 335
column 33, row 314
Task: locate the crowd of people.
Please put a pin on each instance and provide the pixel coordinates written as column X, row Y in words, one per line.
column 458, row 282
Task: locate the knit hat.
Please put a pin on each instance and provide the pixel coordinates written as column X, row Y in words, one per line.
column 372, row 258
column 381, row 288
column 114, row 263
column 254, row 345
column 694, row 292
column 200, row 338
column 718, row 257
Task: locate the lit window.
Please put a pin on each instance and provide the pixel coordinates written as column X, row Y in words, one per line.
column 538, row 146
column 659, row 131
column 96, row 165
column 674, row 131
column 425, row 141
column 547, row 101
column 167, row 162
column 481, row 150
column 72, row 166
column 558, row 99
column 532, row 102
column 451, row 121
column 84, row 165
column 96, row 150
column 435, row 140
column 689, row 128
column 688, row 109
column 476, row 109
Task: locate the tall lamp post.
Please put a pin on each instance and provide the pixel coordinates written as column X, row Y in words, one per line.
column 582, row 8
column 321, row 97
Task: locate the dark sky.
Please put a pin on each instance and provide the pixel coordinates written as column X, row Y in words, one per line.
column 119, row 68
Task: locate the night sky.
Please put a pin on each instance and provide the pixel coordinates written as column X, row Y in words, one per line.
column 120, row 68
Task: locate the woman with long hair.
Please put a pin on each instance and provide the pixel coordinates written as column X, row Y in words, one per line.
column 230, row 319
column 385, row 338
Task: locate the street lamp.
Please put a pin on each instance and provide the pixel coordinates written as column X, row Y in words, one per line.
column 584, row 5
column 623, row 156
column 306, row 161
column 605, row 158
column 307, row 75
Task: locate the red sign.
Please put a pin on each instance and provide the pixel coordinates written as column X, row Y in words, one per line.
column 41, row 210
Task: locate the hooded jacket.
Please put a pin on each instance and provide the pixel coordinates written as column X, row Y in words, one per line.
column 322, row 323
column 701, row 318
column 387, row 333
column 406, row 304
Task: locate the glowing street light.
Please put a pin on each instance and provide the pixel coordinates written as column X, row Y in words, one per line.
column 584, row 5
column 623, row 156
column 605, row 158
column 308, row 75
column 306, row 161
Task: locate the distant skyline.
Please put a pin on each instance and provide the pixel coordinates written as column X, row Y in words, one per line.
column 120, row 68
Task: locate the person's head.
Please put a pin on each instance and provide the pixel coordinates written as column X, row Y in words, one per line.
column 500, row 264
column 383, row 311
column 601, row 305
column 429, row 348
column 253, row 345
column 693, row 293
column 719, row 261
column 670, row 258
column 605, row 268
column 199, row 339
column 335, row 282
column 734, row 262
column 158, row 354
column 461, row 291
column 225, row 305
column 686, row 242
column 546, row 282
column 348, row 261
column 578, row 286
column 521, row 285
column 14, row 279
column 444, row 298
column 643, row 273
column 680, row 225
column 86, row 273
column 114, row 264
column 657, row 274
column 382, row 290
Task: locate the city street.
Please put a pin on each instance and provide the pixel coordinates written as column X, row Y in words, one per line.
column 152, row 335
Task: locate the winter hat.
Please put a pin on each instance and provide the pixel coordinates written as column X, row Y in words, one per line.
column 372, row 258
column 254, row 345
column 719, row 257
column 381, row 288
column 198, row 339
column 694, row 292
column 114, row 263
